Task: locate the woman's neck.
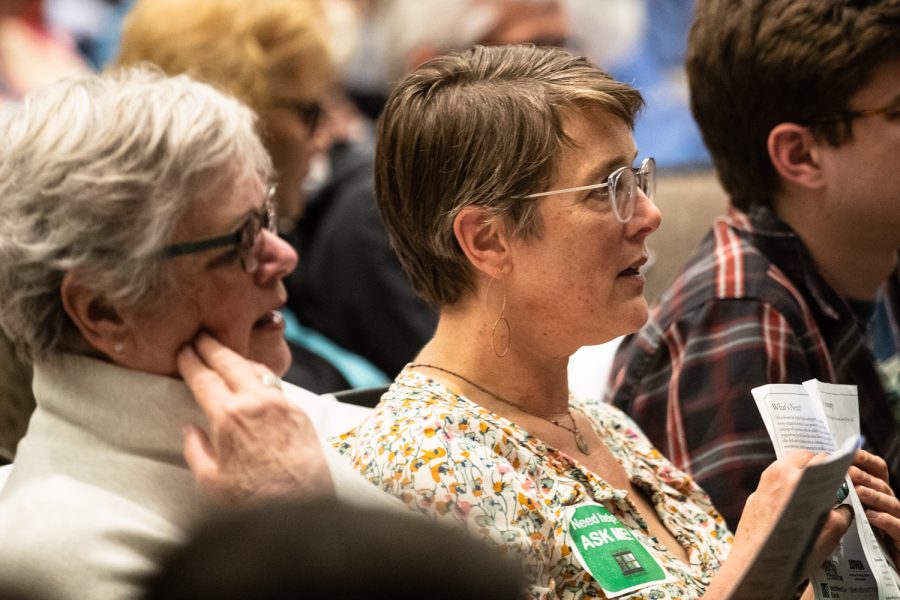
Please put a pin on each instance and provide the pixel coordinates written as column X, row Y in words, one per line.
column 533, row 382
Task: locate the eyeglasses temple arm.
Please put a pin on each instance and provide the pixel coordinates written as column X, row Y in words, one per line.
column 192, row 247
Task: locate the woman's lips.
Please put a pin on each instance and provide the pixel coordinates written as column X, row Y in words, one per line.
column 634, row 269
column 271, row 320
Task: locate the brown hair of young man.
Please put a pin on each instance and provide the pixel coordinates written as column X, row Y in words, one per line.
column 754, row 64
column 483, row 127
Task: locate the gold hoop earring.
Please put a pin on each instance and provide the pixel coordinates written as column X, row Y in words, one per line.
column 500, row 319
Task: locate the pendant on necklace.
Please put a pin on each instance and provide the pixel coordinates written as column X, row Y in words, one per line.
column 582, row 443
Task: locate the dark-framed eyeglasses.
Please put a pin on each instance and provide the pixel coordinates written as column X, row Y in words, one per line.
column 246, row 239
column 891, row 111
column 620, row 188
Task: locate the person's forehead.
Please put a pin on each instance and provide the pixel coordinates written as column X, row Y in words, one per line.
column 883, row 87
column 595, row 124
column 601, row 142
column 220, row 208
column 300, row 79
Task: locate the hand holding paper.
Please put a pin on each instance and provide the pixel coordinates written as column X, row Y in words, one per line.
column 819, row 416
column 785, row 529
column 870, row 479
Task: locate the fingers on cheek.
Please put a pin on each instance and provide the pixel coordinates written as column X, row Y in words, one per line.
column 185, row 357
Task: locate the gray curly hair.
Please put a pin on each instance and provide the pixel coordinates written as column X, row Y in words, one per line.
column 95, row 174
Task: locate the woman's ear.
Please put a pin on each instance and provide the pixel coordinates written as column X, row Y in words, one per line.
column 793, row 151
column 483, row 238
column 99, row 321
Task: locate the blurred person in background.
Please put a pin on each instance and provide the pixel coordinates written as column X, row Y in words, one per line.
column 96, row 25
column 32, row 53
column 273, row 55
column 396, row 36
column 654, row 62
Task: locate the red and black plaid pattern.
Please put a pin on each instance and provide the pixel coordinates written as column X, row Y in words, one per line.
column 748, row 309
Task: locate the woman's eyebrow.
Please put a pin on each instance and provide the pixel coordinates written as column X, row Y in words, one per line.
column 239, row 220
column 601, row 171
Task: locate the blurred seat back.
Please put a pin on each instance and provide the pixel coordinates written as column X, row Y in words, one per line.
column 689, row 202
column 368, row 397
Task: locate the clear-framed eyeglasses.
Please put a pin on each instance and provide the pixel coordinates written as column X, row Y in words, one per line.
column 619, row 189
column 246, row 239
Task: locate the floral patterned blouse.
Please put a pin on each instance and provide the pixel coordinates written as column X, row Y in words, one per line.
column 452, row 459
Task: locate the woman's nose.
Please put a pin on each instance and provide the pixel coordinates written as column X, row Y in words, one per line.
column 277, row 258
column 646, row 218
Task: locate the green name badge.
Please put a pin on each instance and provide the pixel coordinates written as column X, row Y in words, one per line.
column 610, row 553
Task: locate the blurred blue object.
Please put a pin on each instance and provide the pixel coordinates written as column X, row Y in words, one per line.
column 358, row 371
column 96, row 25
column 666, row 129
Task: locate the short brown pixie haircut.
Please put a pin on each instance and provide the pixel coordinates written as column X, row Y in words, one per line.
column 482, row 127
column 753, row 64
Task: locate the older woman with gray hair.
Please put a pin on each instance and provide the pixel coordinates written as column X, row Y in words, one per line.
column 138, row 246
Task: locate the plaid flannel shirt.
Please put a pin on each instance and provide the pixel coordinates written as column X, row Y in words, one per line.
column 748, row 309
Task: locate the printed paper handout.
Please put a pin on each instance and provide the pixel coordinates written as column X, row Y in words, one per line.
column 821, row 417
column 776, row 570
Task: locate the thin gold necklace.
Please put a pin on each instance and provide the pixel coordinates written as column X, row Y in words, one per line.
column 580, row 441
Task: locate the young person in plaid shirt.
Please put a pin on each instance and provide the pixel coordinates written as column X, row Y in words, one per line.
column 799, row 104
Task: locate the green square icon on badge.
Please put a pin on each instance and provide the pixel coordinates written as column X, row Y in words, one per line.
column 628, row 562
column 610, row 552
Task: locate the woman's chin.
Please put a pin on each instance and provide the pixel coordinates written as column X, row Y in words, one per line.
column 275, row 354
column 628, row 322
column 640, row 318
